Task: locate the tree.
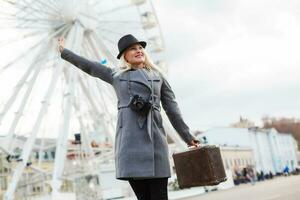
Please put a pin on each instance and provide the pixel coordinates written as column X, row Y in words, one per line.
column 283, row 125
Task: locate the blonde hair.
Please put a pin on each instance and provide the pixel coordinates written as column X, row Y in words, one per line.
column 149, row 65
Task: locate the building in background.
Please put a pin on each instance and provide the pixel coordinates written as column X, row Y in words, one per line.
column 85, row 174
column 272, row 151
column 236, row 156
column 243, row 123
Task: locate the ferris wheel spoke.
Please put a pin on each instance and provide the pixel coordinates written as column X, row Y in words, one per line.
column 119, row 22
column 20, row 84
column 95, row 42
column 46, row 27
column 9, row 2
column 88, row 51
column 25, row 53
column 29, row 144
column 93, row 105
column 7, row 14
column 42, row 144
column 96, row 3
column 110, row 31
column 54, row 25
column 45, row 3
column 31, row 24
column 99, row 91
column 24, row 102
column 106, row 112
column 115, row 9
column 30, row 141
column 55, row 4
column 112, row 22
column 108, row 40
column 35, row 20
column 29, row 9
column 108, row 43
column 22, row 105
column 115, row 25
column 86, row 88
column 15, row 93
column 24, row 10
column 86, row 141
column 61, row 148
column 4, row 43
column 103, row 95
column 23, row 27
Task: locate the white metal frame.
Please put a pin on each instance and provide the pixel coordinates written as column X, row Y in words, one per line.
column 42, row 17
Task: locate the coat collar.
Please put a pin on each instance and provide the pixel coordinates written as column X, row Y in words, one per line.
column 140, row 76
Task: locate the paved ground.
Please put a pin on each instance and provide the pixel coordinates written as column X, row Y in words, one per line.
column 282, row 188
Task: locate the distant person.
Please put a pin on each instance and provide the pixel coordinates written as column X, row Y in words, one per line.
column 251, row 175
column 246, row 175
column 258, row 176
column 237, row 176
column 286, row 170
column 271, row 175
column 261, row 176
column 141, row 148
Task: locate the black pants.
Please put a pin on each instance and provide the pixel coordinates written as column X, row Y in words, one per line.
column 150, row 189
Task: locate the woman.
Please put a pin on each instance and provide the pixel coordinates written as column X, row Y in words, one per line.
column 141, row 149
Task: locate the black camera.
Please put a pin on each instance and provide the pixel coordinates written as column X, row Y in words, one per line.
column 138, row 103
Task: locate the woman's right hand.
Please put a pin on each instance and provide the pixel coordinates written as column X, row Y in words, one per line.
column 194, row 143
column 61, row 44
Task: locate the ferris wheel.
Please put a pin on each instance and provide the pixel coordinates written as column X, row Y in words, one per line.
column 43, row 96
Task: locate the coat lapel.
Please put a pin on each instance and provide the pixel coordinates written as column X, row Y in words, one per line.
column 140, row 77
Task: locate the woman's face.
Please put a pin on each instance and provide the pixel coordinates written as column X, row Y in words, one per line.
column 135, row 55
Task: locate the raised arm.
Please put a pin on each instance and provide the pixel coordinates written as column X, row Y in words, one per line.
column 92, row 68
column 170, row 105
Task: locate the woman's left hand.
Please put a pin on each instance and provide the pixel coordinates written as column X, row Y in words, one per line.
column 194, row 143
column 61, row 44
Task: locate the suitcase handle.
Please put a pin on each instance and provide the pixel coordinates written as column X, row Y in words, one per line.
column 194, row 147
column 201, row 146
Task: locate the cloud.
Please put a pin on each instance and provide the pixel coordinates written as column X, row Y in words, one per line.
column 233, row 58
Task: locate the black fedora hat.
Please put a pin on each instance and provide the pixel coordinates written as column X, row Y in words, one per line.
column 126, row 41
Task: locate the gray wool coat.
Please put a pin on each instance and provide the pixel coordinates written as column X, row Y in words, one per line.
column 141, row 148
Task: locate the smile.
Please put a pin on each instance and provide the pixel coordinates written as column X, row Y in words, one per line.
column 139, row 56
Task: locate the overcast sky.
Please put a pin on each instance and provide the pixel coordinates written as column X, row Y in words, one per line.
column 228, row 58
column 231, row 58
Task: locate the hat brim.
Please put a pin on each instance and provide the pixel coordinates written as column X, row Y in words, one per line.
column 142, row 43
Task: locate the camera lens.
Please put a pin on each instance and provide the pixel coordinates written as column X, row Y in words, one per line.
column 139, row 104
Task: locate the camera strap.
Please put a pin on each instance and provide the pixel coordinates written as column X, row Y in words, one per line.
column 152, row 88
column 151, row 99
column 128, row 85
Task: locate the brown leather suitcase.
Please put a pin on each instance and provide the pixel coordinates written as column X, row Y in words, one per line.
column 201, row 166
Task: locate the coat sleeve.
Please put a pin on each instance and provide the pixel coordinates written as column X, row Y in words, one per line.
column 92, row 68
column 171, row 108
